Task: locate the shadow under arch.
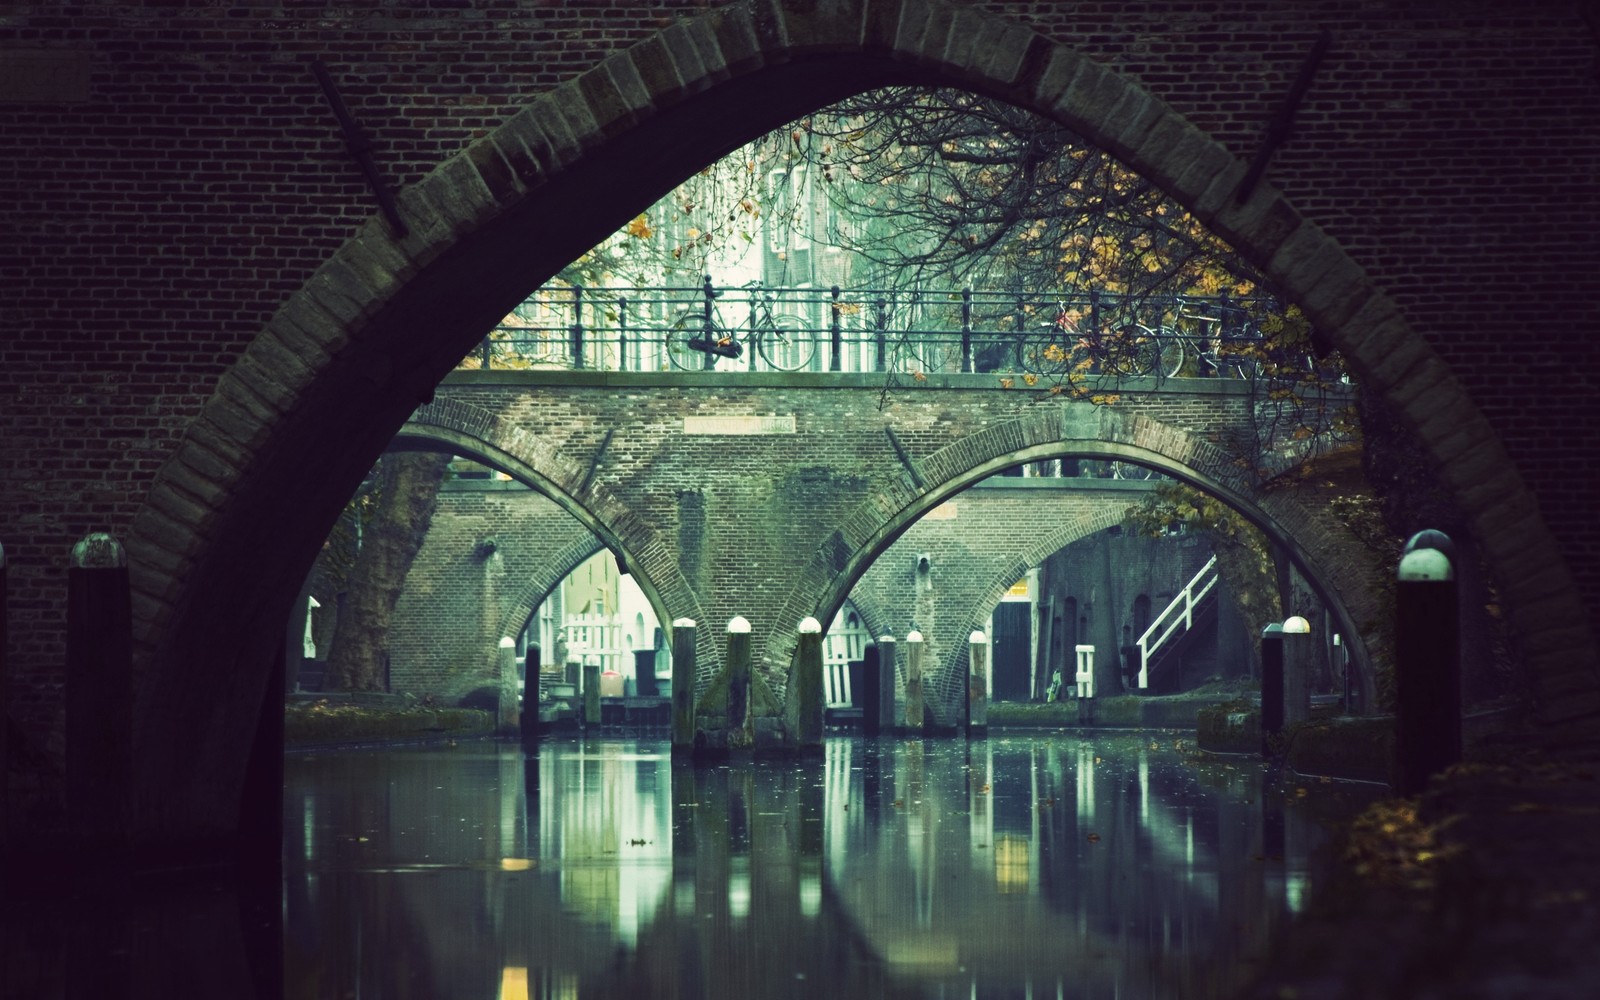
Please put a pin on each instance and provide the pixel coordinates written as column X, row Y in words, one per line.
column 635, row 544
column 536, row 592
column 953, row 667
column 216, row 551
column 943, row 685
column 1321, row 578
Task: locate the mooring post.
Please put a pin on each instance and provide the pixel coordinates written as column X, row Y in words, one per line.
column 867, row 694
column 532, row 695
column 887, row 683
column 591, row 694
column 1271, row 687
column 1296, row 670
column 506, row 717
column 683, row 656
column 808, row 680
column 914, row 708
column 741, row 725
column 5, row 705
column 1084, row 676
column 977, row 684
column 99, row 690
column 1427, row 646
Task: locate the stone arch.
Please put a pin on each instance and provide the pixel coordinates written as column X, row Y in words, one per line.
column 949, row 685
column 483, row 436
column 946, row 687
column 1079, row 429
column 380, row 322
column 537, row 590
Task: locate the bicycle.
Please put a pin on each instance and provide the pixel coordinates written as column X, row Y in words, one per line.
column 699, row 337
column 1208, row 339
column 1062, row 347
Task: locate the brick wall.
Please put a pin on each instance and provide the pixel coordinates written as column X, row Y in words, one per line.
column 459, row 601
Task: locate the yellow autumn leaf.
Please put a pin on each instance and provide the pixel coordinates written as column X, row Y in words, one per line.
column 640, row 227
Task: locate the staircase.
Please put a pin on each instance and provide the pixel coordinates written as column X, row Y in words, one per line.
column 1177, row 619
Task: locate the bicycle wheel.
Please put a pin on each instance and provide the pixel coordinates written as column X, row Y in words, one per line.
column 1048, row 351
column 1170, row 353
column 931, row 352
column 691, row 325
column 1131, row 472
column 1132, row 350
column 786, row 342
column 1240, row 359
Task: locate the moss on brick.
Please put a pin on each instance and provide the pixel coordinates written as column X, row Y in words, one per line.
column 1026, row 714
column 1358, row 748
column 326, row 721
column 1230, row 727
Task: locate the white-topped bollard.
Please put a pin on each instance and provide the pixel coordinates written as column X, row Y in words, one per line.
column 1297, row 651
column 99, row 690
column 1271, row 688
column 1427, row 646
column 977, row 684
column 914, row 707
column 683, row 666
column 507, row 716
column 740, row 721
column 5, row 698
column 808, row 684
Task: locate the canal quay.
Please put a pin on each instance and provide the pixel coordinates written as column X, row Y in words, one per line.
column 1067, row 864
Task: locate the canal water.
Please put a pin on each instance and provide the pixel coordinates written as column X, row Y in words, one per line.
column 1059, row 865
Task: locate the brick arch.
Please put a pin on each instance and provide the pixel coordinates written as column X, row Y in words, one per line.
column 1319, row 547
column 948, row 686
column 484, row 436
column 216, row 550
column 537, row 589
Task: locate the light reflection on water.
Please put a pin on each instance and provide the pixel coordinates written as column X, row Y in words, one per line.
column 1042, row 866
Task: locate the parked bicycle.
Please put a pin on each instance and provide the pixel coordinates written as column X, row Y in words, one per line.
column 699, row 337
column 1209, row 338
column 1093, row 339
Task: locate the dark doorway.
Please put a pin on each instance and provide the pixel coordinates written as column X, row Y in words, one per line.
column 1012, row 637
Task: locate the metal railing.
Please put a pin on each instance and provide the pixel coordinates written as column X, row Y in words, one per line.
column 830, row 329
column 1181, row 612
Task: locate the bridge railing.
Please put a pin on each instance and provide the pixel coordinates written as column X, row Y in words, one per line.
column 834, row 329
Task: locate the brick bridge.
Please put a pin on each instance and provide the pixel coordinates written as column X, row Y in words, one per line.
column 208, row 343
column 769, row 495
column 457, row 604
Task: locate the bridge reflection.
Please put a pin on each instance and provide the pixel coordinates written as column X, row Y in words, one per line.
column 1060, row 866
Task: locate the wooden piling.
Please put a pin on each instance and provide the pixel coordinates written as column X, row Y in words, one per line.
column 99, row 691
column 683, row 668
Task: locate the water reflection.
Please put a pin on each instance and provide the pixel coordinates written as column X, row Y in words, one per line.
column 1053, row 866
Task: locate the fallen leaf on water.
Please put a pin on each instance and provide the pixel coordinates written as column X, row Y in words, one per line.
column 1094, row 838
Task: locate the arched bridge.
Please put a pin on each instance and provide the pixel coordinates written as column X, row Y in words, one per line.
column 768, row 495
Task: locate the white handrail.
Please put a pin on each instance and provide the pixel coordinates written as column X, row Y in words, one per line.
column 1181, row 610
